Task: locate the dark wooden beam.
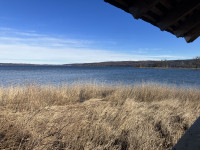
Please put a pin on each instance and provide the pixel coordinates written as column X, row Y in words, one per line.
column 120, row 4
column 192, row 34
column 188, row 25
column 187, row 6
column 168, row 3
column 141, row 7
column 179, row 17
column 149, row 17
column 157, row 11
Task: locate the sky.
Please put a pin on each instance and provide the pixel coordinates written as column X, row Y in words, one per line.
column 82, row 31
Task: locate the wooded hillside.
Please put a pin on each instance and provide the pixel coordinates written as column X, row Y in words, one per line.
column 190, row 63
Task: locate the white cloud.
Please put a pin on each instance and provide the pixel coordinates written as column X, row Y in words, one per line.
column 11, row 36
column 35, row 54
column 30, row 47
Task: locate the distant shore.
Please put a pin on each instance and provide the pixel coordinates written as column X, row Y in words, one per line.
column 162, row 64
column 164, row 68
column 178, row 64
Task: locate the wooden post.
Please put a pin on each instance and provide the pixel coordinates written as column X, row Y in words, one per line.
column 191, row 139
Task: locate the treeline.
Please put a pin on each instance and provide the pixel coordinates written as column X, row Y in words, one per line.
column 190, row 63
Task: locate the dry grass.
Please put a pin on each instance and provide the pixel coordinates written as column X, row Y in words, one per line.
column 90, row 116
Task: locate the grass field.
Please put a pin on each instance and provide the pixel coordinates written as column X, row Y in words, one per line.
column 94, row 116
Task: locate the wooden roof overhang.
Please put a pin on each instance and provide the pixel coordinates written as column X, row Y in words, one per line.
column 179, row 17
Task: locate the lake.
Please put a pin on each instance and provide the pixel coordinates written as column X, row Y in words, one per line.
column 57, row 75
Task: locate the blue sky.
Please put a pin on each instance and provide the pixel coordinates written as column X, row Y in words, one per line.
column 80, row 31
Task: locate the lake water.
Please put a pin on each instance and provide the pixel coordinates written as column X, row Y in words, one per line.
column 57, row 75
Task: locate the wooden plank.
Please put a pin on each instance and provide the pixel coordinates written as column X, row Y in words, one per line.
column 192, row 34
column 191, row 139
column 122, row 3
column 187, row 6
column 157, row 11
column 168, row 3
column 141, row 7
column 150, row 18
column 188, row 25
column 190, row 39
column 169, row 15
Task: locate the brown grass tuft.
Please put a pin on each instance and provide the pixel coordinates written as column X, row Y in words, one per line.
column 92, row 116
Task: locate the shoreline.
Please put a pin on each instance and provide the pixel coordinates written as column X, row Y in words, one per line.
column 64, row 65
column 164, row 68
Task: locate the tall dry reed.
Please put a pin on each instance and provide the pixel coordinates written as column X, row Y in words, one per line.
column 94, row 116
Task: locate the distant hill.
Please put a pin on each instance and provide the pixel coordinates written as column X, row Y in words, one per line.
column 190, row 63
